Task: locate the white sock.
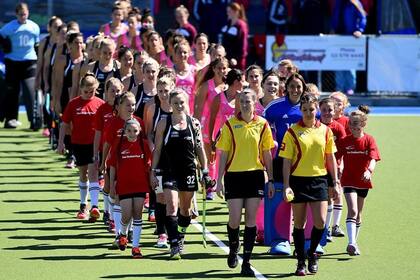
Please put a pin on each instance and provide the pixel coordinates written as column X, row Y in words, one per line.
column 117, row 219
column 83, row 187
column 328, row 220
column 351, row 230
column 106, row 201
column 94, row 189
column 358, row 226
column 123, row 229
column 111, row 208
column 136, row 232
column 338, row 209
column 130, row 224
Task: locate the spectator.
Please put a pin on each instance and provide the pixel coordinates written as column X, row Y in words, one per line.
column 235, row 35
column 20, row 60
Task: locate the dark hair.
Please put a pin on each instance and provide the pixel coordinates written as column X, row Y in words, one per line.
column 232, row 76
column 253, row 67
column 153, row 33
column 72, row 36
column 200, row 35
column 117, row 7
column 269, row 74
column 293, row 77
column 308, row 98
column 20, row 6
column 168, row 72
column 135, row 12
column 364, row 108
column 52, row 20
column 122, row 51
column 61, row 27
column 326, row 100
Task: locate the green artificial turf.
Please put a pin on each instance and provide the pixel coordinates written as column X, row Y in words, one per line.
column 41, row 239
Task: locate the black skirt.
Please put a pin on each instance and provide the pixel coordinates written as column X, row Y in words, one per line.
column 309, row 189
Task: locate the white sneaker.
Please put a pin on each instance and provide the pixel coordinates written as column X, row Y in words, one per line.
column 162, row 241
column 13, row 123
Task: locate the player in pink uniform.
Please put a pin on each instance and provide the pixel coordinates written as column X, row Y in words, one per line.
column 185, row 73
column 116, row 27
column 360, row 154
column 212, row 85
column 131, row 39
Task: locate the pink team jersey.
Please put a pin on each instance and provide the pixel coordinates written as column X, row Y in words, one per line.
column 225, row 112
column 187, row 83
column 107, row 32
column 205, row 116
column 135, row 43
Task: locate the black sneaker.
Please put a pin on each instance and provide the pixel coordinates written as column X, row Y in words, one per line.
column 232, row 259
column 313, row 263
column 246, row 270
column 301, row 269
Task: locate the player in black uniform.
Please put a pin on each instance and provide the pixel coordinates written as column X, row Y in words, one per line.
column 105, row 67
column 156, row 109
column 178, row 139
column 146, row 90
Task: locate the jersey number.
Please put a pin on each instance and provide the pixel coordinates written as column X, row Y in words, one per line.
column 24, row 40
column 190, row 180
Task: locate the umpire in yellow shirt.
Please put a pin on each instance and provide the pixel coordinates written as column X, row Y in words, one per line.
column 245, row 143
column 308, row 150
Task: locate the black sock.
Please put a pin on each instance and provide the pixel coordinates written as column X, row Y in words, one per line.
column 299, row 239
column 249, row 240
column 316, row 236
column 183, row 223
column 152, row 202
column 160, row 215
column 171, row 223
column 233, row 235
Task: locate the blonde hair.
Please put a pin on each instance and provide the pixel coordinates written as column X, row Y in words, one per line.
column 182, row 9
column 150, row 62
column 115, row 82
column 342, row 96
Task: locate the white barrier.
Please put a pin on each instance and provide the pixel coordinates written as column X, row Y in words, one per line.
column 394, row 63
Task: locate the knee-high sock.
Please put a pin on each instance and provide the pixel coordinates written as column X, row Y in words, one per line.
column 328, row 220
column 316, row 236
column 351, row 230
column 123, row 229
column 183, row 223
column 299, row 239
column 160, row 215
column 106, row 201
column 171, row 223
column 83, row 188
column 137, row 224
column 117, row 218
column 94, row 189
column 338, row 209
column 233, row 234
column 358, row 226
column 249, row 240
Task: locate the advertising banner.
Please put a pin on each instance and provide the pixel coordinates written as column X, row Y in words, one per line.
column 318, row 52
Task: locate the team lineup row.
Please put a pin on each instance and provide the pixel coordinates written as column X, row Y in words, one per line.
column 151, row 121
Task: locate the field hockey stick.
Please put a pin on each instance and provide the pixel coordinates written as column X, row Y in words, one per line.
column 207, row 183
